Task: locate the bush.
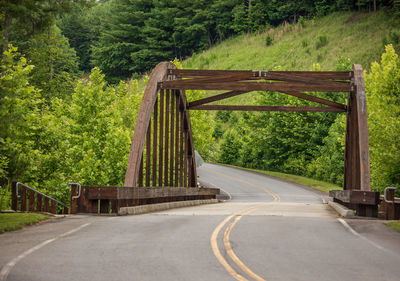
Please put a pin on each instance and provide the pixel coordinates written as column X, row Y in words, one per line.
column 322, row 40
column 268, row 40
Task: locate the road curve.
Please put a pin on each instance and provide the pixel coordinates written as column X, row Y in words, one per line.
column 269, row 230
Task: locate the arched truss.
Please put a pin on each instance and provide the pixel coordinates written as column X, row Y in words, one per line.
column 168, row 159
column 162, row 152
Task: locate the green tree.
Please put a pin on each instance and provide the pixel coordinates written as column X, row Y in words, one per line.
column 383, row 88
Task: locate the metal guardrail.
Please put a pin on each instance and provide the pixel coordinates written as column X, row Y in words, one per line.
column 385, row 194
column 35, row 199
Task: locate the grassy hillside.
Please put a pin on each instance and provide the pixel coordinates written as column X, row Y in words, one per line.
column 357, row 36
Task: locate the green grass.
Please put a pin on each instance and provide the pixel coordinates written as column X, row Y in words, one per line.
column 358, row 36
column 395, row 225
column 312, row 183
column 14, row 221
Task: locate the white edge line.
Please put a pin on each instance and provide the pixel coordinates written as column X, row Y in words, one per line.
column 7, row 268
column 348, row 227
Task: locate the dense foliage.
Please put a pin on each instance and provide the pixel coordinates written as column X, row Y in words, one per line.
column 124, row 37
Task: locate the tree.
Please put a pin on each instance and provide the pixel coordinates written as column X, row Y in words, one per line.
column 383, row 88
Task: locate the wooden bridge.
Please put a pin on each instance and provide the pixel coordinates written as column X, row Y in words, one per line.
column 162, row 151
column 162, row 165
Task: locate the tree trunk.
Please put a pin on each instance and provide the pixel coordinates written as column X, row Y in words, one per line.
column 374, row 6
column 7, row 22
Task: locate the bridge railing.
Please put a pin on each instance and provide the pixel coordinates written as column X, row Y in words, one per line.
column 109, row 199
column 25, row 198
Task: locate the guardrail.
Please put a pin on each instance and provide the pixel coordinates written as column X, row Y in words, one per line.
column 25, row 198
column 109, row 199
column 389, row 207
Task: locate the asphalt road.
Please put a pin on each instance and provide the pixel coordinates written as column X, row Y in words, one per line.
column 269, row 230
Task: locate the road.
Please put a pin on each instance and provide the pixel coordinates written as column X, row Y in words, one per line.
column 269, row 230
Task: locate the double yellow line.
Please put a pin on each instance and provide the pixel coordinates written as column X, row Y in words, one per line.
column 238, row 215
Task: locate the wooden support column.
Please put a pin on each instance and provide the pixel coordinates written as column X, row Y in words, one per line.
column 140, row 177
column 148, row 154
column 357, row 169
column 161, row 139
column 177, row 127
column 155, row 131
column 172, row 136
column 181, row 140
column 167, row 125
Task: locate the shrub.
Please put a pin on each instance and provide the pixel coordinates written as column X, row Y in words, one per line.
column 322, row 40
column 268, row 40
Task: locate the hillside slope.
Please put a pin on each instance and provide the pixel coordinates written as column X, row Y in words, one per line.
column 357, row 36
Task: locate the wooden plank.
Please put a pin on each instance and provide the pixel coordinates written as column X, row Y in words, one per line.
column 181, row 151
column 167, row 106
column 14, row 196
column 267, row 108
column 31, row 201
column 163, row 192
column 161, row 140
column 155, row 144
column 171, row 147
column 39, row 200
column 316, row 99
column 185, row 168
column 140, row 178
column 53, row 207
column 215, row 98
column 257, row 86
column 101, row 192
column 339, row 75
column 23, row 198
column 157, row 75
column 356, row 196
column 148, row 154
column 177, row 135
column 362, row 122
column 46, row 205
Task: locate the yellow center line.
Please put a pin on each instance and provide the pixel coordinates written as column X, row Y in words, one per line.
column 228, row 247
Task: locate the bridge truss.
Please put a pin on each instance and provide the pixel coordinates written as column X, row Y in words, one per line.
column 162, row 151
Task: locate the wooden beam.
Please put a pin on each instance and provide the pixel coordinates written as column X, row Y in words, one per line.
column 215, row 98
column 154, row 150
column 268, row 108
column 338, row 75
column 292, row 93
column 256, row 86
column 119, row 192
column 161, row 140
column 362, row 122
column 167, row 126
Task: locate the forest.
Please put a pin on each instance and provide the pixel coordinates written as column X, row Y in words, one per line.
column 73, row 74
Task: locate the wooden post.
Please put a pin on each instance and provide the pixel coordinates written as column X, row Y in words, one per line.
column 53, row 207
column 38, row 202
column 14, row 196
column 161, row 139
column 74, row 201
column 357, row 170
column 171, row 146
column 23, row 198
column 104, row 206
column 148, row 149
column 167, row 106
column 31, row 201
column 177, row 100
column 46, row 204
column 155, row 131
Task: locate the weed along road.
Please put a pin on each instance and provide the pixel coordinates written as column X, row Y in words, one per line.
column 268, row 230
